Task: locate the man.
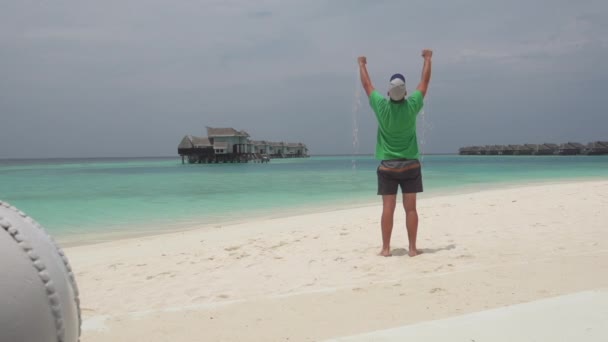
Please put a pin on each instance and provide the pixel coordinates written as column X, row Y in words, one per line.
column 397, row 148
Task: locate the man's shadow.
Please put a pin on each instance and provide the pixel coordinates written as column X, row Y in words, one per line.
column 403, row 251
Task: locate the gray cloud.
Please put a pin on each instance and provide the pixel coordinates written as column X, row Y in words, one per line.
column 129, row 78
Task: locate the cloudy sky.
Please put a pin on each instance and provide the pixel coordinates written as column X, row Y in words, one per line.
column 132, row 77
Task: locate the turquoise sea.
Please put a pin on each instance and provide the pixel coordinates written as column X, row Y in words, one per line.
column 76, row 199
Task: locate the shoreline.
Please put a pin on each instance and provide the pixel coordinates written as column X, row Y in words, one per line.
column 317, row 276
column 83, row 239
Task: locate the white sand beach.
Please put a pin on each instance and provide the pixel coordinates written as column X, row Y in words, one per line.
column 316, row 277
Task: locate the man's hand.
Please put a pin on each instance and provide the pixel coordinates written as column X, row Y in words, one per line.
column 426, row 71
column 365, row 81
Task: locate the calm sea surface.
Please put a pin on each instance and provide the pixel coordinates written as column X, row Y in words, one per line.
column 75, row 198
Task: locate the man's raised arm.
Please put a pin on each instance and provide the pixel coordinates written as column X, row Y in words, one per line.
column 426, row 71
column 365, row 81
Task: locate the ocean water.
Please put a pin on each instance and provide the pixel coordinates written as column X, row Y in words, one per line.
column 76, row 199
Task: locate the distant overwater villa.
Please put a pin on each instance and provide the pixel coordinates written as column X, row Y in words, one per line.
column 227, row 145
column 566, row 149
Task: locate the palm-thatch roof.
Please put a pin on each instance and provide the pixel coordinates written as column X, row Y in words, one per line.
column 190, row 141
column 225, row 132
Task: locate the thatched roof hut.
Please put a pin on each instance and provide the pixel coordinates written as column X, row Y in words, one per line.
column 190, row 141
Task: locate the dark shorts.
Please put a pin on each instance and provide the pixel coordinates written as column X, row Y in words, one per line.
column 395, row 173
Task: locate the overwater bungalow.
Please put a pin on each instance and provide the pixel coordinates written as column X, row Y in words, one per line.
column 570, row 148
column 295, row 150
column 470, row 150
column 546, row 149
column 597, row 148
column 277, row 150
column 497, row 150
column 259, row 147
column 527, row 149
column 509, row 150
column 196, row 148
column 223, row 145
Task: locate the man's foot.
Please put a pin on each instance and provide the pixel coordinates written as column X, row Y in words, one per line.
column 414, row 251
column 385, row 252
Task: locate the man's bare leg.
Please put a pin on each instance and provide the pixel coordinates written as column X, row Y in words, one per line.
column 411, row 222
column 388, row 210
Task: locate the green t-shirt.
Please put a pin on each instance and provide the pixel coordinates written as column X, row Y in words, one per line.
column 396, row 126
